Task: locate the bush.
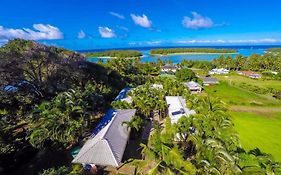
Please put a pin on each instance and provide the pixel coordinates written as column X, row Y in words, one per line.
column 76, row 169
column 185, row 75
column 56, row 171
column 255, row 89
column 277, row 95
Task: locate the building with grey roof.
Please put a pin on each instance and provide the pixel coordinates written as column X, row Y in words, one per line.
column 107, row 147
column 177, row 108
column 193, row 87
column 209, row 81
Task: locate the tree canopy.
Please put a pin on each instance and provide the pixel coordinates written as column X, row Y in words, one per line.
column 185, row 74
column 115, row 54
column 190, row 50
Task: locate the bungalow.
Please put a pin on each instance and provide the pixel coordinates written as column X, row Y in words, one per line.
column 169, row 68
column 250, row 74
column 106, row 147
column 193, row 87
column 177, row 108
column 209, row 81
column 218, row 71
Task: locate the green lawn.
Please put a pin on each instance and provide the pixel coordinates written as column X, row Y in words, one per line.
column 275, row 84
column 237, row 96
column 200, row 72
column 256, row 130
column 257, row 118
column 168, row 75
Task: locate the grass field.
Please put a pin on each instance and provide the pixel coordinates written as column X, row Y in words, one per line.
column 168, row 75
column 236, row 96
column 257, row 130
column 275, row 84
column 257, row 118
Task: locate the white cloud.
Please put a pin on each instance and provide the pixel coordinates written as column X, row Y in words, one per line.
column 197, row 22
column 81, row 34
column 153, row 42
column 256, row 41
column 142, row 21
column 123, row 28
column 117, row 15
column 39, row 32
column 145, row 43
column 106, row 32
column 132, row 43
column 238, row 41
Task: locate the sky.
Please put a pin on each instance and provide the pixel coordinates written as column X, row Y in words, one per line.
column 96, row 24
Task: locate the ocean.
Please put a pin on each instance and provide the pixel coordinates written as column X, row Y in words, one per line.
column 177, row 58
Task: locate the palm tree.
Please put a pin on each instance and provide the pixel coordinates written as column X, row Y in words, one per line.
column 135, row 124
column 161, row 156
column 60, row 121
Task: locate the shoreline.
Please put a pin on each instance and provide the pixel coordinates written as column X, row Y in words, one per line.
column 108, row 57
column 194, row 53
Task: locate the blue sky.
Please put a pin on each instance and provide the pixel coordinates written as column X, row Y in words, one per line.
column 93, row 24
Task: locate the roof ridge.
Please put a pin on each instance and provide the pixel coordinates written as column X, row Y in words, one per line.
column 112, row 153
column 109, row 124
column 119, row 112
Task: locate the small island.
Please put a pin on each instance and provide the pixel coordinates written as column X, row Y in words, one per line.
column 115, row 54
column 274, row 50
column 169, row 51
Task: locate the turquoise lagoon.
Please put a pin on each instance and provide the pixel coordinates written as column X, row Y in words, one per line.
column 177, row 58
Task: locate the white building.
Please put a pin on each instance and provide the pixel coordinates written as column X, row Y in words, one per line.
column 107, row 147
column 169, row 69
column 218, row 71
column 193, row 87
column 207, row 81
column 177, row 108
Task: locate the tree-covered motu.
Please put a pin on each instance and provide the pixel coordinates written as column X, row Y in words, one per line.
column 190, row 50
column 255, row 62
column 115, row 54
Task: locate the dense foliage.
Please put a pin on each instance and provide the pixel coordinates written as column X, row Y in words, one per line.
column 185, row 74
column 205, row 65
column 204, row 143
column 46, row 91
column 115, row 54
column 52, row 98
column 190, row 50
column 266, row 62
column 277, row 49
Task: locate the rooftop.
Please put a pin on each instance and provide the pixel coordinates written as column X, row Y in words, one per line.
column 167, row 66
column 192, row 84
column 177, row 108
column 210, row 80
column 107, row 147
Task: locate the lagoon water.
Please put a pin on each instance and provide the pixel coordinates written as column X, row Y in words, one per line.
column 177, row 58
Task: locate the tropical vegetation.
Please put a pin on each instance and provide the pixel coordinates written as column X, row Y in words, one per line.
column 52, row 98
column 115, row 54
column 190, row 50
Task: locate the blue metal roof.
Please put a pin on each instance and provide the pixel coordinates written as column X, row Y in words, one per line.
column 104, row 121
column 123, row 94
column 110, row 113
